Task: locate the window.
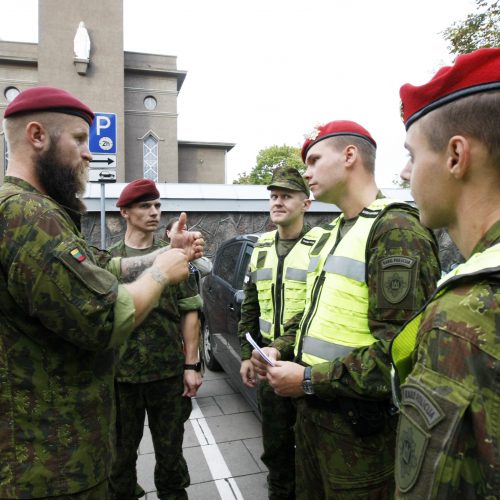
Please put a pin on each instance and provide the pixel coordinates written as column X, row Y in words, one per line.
column 11, row 93
column 227, row 262
column 150, row 103
column 150, row 158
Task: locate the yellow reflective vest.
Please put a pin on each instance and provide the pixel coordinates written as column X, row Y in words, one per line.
column 336, row 316
column 280, row 281
column 403, row 345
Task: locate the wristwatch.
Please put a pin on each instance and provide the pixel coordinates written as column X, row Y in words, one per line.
column 306, row 383
column 196, row 367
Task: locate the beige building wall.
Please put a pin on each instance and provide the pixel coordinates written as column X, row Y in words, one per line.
column 102, row 87
column 201, row 163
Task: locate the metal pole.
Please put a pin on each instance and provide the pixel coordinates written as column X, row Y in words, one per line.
column 103, row 216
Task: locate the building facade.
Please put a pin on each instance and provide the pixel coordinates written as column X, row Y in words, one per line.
column 140, row 89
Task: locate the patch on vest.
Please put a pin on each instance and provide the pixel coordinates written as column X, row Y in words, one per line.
column 396, row 279
column 426, row 406
column 410, row 452
column 308, row 242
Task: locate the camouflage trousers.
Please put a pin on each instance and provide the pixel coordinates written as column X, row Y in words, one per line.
column 167, row 411
column 278, row 419
column 331, row 462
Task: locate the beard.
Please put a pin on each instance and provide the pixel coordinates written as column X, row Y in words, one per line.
column 62, row 182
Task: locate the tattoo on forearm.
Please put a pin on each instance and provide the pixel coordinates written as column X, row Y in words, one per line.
column 132, row 267
column 157, row 275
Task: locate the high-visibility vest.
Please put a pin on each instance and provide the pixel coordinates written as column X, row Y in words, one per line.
column 280, row 281
column 336, row 317
column 402, row 347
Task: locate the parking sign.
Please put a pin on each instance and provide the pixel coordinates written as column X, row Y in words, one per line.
column 102, row 145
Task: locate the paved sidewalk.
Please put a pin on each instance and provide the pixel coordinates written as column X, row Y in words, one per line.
column 222, row 446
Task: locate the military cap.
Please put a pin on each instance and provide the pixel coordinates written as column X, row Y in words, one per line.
column 51, row 99
column 333, row 129
column 288, row 178
column 136, row 191
column 478, row 71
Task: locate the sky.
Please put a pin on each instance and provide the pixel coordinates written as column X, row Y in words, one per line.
column 266, row 72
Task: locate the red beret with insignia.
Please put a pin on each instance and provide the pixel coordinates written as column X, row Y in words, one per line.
column 478, row 71
column 333, row 129
column 138, row 190
column 51, row 99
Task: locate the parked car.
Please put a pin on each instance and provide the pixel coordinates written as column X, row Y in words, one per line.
column 222, row 292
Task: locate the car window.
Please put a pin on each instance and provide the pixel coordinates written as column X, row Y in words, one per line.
column 227, row 261
column 245, row 260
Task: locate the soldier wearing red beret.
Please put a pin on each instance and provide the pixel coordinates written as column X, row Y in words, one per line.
column 447, row 358
column 61, row 313
column 159, row 369
column 369, row 271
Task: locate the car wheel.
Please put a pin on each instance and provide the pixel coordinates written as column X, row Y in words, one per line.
column 208, row 353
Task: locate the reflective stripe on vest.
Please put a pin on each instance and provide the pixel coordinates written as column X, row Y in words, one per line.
column 403, row 345
column 337, row 310
column 325, row 350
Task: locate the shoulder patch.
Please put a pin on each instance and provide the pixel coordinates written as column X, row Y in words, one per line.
column 307, row 241
column 77, row 255
column 396, row 277
column 426, row 406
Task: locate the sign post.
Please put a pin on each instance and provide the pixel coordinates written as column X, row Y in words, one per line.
column 102, row 146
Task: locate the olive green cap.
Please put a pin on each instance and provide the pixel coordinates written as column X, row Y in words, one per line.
column 288, row 178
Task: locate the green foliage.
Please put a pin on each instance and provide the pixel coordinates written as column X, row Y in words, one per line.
column 400, row 183
column 478, row 30
column 267, row 160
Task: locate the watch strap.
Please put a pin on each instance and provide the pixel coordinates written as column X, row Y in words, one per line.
column 195, row 366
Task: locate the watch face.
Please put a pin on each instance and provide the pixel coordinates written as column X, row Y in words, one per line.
column 307, row 386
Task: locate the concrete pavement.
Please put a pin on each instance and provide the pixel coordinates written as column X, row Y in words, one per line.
column 222, row 446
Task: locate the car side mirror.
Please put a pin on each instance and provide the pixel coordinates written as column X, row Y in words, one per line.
column 239, row 296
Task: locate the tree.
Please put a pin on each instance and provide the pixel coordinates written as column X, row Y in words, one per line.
column 478, row 30
column 267, row 160
column 400, row 183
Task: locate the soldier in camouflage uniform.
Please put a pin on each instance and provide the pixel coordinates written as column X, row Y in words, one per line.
column 448, row 357
column 158, row 369
column 270, row 301
column 370, row 270
column 61, row 315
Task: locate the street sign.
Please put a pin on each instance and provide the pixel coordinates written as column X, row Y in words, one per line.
column 102, row 145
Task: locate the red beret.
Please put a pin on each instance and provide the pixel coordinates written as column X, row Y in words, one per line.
column 478, row 71
column 48, row 99
column 333, row 129
column 138, row 190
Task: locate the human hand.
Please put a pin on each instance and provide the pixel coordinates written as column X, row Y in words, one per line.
column 191, row 242
column 286, row 378
column 192, row 382
column 259, row 365
column 247, row 373
column 172, row 265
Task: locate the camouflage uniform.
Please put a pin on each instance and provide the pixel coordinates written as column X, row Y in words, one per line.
column 277, row 413
column 448, row 443
column 59, row 316
column 150, row 378
column 345, row 432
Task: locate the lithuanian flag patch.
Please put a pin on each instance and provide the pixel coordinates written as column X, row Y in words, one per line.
column 77, row 255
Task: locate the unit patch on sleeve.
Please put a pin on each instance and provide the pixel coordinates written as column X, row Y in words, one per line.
column 396, row 277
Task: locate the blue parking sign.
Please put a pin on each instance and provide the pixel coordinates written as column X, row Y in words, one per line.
column 102, row 134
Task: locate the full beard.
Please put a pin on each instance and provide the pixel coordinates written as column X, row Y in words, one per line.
column 60, row 181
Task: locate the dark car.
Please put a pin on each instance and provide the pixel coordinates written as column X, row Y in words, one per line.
column 222, row 292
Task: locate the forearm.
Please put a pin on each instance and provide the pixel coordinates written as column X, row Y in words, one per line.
column 190, row 328
column 132, row 267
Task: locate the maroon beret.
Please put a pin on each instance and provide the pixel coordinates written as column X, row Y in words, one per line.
column 49, row 99
column 333, row 129
column 478, row 71
column 138, row 190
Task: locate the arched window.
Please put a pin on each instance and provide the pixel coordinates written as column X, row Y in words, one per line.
column 150, row 157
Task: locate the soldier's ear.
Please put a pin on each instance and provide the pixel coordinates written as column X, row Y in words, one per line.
column 37, row 135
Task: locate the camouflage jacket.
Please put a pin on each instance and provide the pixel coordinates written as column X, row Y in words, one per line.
column 59, row 316
column 154, row 350
column 365, row 372
column 448, row 442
